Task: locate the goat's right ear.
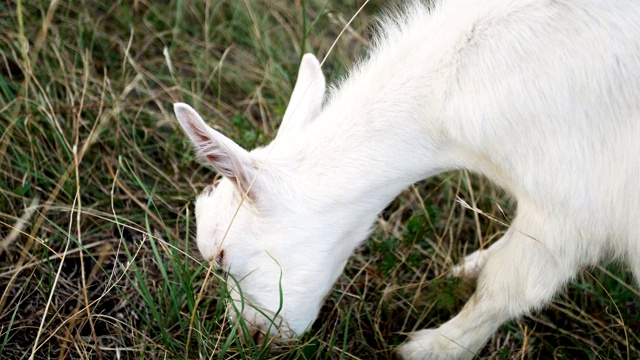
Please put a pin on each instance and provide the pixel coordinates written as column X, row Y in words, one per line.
column 307, row 97
column 227, row 157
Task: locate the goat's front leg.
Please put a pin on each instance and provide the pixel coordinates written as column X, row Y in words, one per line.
column 536, row 257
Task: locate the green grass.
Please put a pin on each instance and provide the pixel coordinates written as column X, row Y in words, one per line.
column 106, row 266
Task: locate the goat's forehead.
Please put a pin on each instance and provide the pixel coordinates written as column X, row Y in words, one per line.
column 214, row 208
column 215, row 205
column 225, row 189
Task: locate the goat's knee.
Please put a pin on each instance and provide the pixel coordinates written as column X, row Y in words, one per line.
column 522, row 274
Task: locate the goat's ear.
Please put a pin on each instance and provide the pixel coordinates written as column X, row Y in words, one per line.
column 306, row 98
column 215, row 149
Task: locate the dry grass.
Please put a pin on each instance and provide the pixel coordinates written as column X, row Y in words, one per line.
column 101, row 264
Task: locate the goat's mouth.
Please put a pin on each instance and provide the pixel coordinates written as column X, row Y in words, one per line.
column 256, row 329
column 248, row 332
column 258, row 336
column 255, row 334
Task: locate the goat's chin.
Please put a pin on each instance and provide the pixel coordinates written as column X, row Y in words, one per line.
column 258, row 332
column 289, row 331
column 258, row 327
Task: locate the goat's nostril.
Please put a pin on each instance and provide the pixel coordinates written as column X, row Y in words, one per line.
column 220, row 259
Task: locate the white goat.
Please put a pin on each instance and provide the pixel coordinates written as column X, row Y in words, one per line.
column 540, row 96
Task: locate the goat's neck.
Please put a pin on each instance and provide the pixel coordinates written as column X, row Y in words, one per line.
column 372, row 140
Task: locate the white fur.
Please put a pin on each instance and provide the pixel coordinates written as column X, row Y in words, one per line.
column 540, row 96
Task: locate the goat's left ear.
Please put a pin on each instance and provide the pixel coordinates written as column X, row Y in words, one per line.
column 215, row 149
column 306, row 98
